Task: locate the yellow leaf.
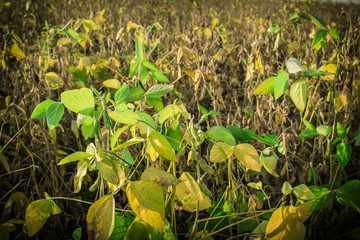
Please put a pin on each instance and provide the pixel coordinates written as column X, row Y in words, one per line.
column 214, row 22
column 248, row 156
column 130, row 26
column 190, row 73
column 81, row 172
column 259, row 66
column 63, row 41
column 54, row 78
column 152, row 153
column 220, row 152
column 146, row 199
column 3, row 60
column 101, row 218
column 89, row 25
column 286, row 188
column 162, row 146
column 56, row 210
column 159, row 176
column 189, row 193
column 208, row 33
column 130, row 142
column 284, row 224
column 16, row 51
column 341, row 100
column 259, row 231
column 302, row 192
column 36, row 215
column 112, row 83
column 269, row 164
column 331, row 68
column 303, row 211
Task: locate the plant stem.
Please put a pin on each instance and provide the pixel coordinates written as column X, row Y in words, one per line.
column 86, row 202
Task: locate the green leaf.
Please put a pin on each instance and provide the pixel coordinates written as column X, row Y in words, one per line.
column 168, row 112
column 139, row 49
column 116, row 135
column 73, row 34
column 138, row 230
column 312, row 73
column 101, row 218
column 88, row 126
column 156, row 103
column 348, row 194
column 36, row 215
column 324, row 130
column 54, row 114
column 220, row 133
column 145, row 122
column 275, row 28
column 293, row 66
column 265, row 87
column 319, row 38
column 272, row 139
column 134, row 66
column 159, row 76
column 318, row 22
column 121, row 225
column 281, row 84
column 135, row 94
column 40, row 110
column 307, row 133
column 124, row 116
column 334, row 33
column 248, row 156
column 309, row 125
column 75, row 157
column 122, row 94
column 213, row 113
column 340, row 130
column 302, row 192
column 203, row 110
column 162, row 146
column 149, row 65
column 5, row 162
column 144, row 74
column 298, row 92
column 106, row 168
column 112, row 83
column 166, row 234
column 79, row 101
column 343, row 154
column 159, row 176
column 76, row 235
column 158, row 90
column 146, row 199
column 54, row 78
column 174, row 135
column 322, row 198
